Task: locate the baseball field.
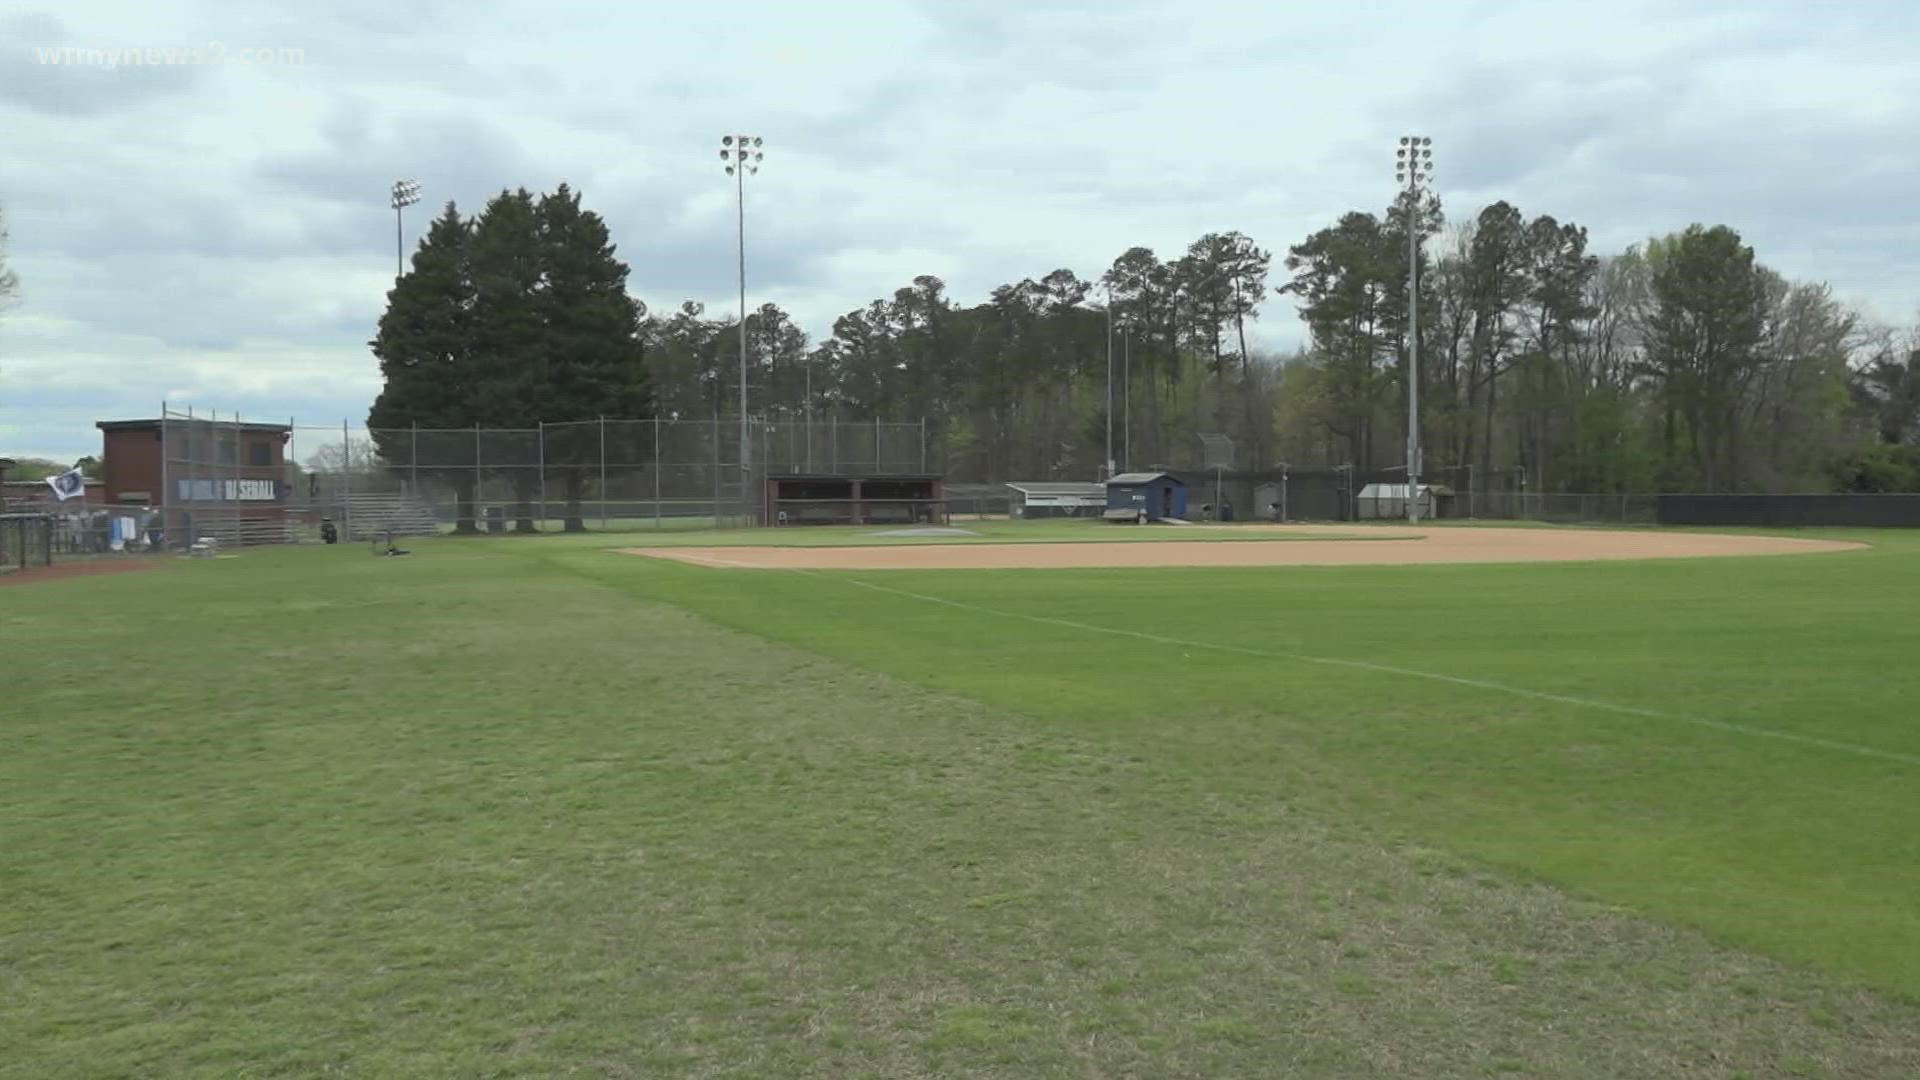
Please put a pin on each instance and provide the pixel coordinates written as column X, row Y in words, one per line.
column 1043, row 800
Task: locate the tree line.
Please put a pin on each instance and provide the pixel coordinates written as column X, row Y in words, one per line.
column 1682, row 363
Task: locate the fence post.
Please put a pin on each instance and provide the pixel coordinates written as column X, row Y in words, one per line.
column 477, row 479
column 346, row 482
column 193, row 483
column 877, row 466
column 166, row 495
column 655, row 423
column 413, row 461
column 540, row 448
column 715, row 433
column 192, row 469
column 923, row 444
column 833, row 443
column 603, row 472
column 239, row 457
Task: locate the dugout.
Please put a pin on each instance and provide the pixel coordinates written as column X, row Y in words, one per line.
column 854, row 500
column 1146, row 496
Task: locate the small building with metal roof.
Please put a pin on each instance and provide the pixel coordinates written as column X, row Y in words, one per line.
column 1146, row 496
column 1051, row 499
column 1386, row 502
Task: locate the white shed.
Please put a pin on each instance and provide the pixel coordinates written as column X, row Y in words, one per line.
column 1388, row 502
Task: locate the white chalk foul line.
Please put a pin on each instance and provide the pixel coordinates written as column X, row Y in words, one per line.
column 1414, row 673
column 708, row 560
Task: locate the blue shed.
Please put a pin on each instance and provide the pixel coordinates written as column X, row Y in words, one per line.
column 1146, row 496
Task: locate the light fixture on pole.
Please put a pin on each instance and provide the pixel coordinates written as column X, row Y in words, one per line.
column 742, row 155
column 405, row 194
column 1413, row 168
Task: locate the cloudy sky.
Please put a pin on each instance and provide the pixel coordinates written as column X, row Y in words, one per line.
column 217, row 234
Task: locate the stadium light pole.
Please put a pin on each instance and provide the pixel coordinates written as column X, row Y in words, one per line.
column 742, row 155
column 1109, row 287
column 1413, row 167
column 405, row 193
column 1126, row 394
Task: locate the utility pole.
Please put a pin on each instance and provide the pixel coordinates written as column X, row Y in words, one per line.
column 1413, row 167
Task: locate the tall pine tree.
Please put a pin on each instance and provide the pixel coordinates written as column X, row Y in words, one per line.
column 517, row 318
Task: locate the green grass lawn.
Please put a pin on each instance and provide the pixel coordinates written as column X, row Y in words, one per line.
column 525, row 806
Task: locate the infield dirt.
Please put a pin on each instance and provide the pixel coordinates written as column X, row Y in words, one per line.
column 1299, row 548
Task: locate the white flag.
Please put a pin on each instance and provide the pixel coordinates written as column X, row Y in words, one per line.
column 68, row 484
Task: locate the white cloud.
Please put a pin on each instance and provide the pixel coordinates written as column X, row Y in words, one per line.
column 221, row 232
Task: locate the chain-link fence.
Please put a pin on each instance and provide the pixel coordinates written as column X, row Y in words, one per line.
column 1334, row 495
column 216, row 479
column 1568, row 509
column 26, row 540
column 248, row 482
column 58, row 533
column 234, row 480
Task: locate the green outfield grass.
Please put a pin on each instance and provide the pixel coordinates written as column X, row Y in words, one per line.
column 1774, row 843
column 527, row 806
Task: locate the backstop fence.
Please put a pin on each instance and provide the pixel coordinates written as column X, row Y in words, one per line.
column 243, row 481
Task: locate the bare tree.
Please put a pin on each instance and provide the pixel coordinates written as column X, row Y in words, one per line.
column 355, row 455
column 9, row 281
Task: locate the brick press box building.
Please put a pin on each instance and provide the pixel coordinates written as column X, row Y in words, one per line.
column 207, row 477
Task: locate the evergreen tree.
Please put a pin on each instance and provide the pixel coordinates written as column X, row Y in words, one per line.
column 515, row 319
column 590, row 357
column 425, row 347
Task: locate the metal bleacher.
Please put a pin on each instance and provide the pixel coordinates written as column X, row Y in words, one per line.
column 382, row 513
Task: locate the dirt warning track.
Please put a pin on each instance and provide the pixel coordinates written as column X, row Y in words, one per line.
column 1381, row 547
